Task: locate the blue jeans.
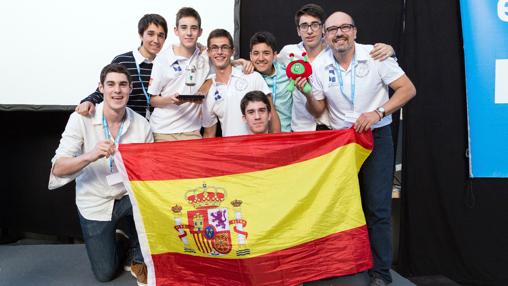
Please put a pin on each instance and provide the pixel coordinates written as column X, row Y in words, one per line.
column 104, row 251
column 376, row 178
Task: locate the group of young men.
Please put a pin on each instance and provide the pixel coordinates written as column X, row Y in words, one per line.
column 349, row 89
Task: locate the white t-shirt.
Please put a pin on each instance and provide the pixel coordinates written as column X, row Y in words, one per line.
column 223, row 101
column 371, row 79
column 169, row 74
column 95, row 198
column 301, row 119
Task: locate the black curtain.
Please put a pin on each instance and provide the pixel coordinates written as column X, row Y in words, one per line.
column 377, row 21
column 29, row 141
column 451, row 225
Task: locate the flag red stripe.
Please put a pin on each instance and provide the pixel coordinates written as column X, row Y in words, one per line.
column 226, row 156
column 343, row 253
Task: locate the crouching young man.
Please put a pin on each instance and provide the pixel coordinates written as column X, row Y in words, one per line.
column 256, row 110
column 85, row 154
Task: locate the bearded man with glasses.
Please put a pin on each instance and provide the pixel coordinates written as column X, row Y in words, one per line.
column 354, row 89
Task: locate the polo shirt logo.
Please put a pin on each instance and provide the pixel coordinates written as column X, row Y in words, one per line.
column 176, row 67
column 217, row 95
column 332, row 79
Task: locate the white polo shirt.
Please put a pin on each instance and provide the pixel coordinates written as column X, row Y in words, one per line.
column 371, row 79
column 223, row 101
column 301, row 119
column 168, row 77
column 95, row 198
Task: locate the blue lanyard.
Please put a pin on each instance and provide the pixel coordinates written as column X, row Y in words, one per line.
column 274, row 83
column 143, row 85
column 352, row 80
column 107, row 136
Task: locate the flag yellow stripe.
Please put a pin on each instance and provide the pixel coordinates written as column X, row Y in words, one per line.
column 302, row 206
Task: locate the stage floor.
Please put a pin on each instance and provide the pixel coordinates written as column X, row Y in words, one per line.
column 67, row 264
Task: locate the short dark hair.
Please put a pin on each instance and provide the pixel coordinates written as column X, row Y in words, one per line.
column 310, row 9
column 118, row 68
column 187, row 12
column 148, row 19
column 263, row 37
column 255, row 95
column 219, row 33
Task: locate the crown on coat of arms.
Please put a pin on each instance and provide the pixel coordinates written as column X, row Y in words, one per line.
column 206, row 196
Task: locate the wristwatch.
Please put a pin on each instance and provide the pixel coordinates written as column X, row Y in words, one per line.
column 381, row 110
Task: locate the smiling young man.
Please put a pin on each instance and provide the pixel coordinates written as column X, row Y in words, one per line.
column 263, row 54
column 179, row 70
column 85, row 154
column 256, row 110
column 354, row 88
column 228, row 88
column 152, row 30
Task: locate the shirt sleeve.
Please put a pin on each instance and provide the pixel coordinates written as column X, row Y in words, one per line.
column 389, row 70
column 156, row 78
column 209, row 118
column 71, row 145
column 95, row 97
column 283, row 56
column 261, row 84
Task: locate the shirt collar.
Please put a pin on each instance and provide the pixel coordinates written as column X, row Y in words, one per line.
column 300, row 46
column 138, row 57
column 276, row 71
column 97, row 117
column 236, row 72
column 360, row 54
column 196, row 53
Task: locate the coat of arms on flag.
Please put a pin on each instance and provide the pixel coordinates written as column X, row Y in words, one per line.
column 276, row 209
column 209, row 223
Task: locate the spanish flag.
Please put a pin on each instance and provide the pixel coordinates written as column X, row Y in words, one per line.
column 277, row 209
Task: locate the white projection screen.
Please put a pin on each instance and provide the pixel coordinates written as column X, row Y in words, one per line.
column 53, row 51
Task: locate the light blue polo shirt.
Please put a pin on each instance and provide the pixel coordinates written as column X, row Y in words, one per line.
column 281, row 97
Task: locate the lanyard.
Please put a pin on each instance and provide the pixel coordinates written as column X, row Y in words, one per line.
column 107, row 136
column 274, row 83
column 352, row 81
column 143, row 85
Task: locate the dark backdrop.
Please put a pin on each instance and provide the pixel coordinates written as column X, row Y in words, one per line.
column 377, row 21
column 29, row 141
column 451, row 225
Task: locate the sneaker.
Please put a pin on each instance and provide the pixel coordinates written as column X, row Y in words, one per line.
column 376, row 281
column 138, row 270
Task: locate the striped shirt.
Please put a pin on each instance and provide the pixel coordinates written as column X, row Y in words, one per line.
column 137, row 99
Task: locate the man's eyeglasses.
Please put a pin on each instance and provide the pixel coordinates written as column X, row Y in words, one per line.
column 215, row 48
column 314, row 26
column 345, row 28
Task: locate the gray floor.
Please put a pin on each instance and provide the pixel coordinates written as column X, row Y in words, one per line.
column 67, row 265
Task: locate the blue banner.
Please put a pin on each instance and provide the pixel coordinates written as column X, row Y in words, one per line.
column 485, row 33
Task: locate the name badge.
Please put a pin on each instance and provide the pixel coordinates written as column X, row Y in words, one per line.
column 352, row 116
column 114, row 179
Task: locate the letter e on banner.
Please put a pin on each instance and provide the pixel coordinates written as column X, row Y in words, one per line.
column 501, row 89
column 502, row 10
